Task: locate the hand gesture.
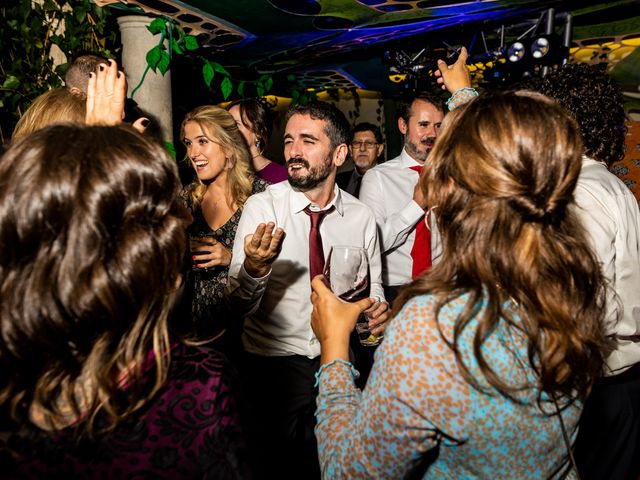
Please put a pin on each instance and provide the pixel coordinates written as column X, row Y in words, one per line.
column 208, row 252
column 455, row 76
column 106, row 95
column 262, row 248
column 333, row 319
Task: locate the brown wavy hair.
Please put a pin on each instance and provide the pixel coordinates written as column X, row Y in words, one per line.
column 220, row 127
column 92, row 240
column 502, row 175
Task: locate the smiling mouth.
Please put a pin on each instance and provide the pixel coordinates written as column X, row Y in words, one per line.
column 201, row 163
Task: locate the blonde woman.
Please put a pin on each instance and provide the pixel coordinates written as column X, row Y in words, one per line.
column 225, row 179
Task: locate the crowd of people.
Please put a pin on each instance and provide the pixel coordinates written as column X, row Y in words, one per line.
column 155, row 330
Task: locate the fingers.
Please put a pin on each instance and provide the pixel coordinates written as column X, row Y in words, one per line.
column 141, row 124
column 106, row 95
column 319, row 286
column 462, row 58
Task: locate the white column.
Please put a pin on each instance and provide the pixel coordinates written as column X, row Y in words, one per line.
column 154, row 96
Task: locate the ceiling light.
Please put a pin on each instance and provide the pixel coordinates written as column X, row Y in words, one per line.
column 540, row 47
column 515, row 52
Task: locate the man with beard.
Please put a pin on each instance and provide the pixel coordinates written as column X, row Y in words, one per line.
column 366, row 148
column 269, row 285
column 392, row 191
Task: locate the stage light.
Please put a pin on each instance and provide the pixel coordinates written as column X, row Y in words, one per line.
column 516, row 52
column 540, row 47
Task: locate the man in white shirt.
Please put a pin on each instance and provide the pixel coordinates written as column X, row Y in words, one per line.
column 269, row 283
column 392, row 191
column 608, row 439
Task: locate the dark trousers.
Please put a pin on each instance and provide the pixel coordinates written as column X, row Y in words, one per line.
column 608, row 442
column 282, row 402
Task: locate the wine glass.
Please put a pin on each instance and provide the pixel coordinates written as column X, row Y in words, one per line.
column 347, row 271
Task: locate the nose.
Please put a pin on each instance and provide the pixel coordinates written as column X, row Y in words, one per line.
column 192, row 151
column 293, row 149
column 431, row 131
column 362, row 146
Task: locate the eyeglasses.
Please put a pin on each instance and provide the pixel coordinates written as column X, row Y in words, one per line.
column 368, row 144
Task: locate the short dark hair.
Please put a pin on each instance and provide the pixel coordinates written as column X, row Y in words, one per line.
column 78, row 73
column 256, row 116
column 337, row 128
column 594, row 100
column 404, row 107
column 368, row 127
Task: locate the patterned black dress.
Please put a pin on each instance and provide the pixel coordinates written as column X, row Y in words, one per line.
column 209, row 310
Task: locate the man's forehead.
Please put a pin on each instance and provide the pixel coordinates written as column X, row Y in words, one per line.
column 364, row 134
column 423, row 108
column 303, row 123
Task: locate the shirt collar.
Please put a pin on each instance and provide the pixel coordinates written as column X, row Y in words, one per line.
column 407, row 160
column 299, row 201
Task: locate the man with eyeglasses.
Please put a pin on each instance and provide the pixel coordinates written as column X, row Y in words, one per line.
column 365, row 149
column 392, row 191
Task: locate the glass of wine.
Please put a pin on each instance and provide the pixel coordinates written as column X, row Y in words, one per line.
column 347, row 271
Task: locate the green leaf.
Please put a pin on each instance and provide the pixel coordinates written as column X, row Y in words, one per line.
column 241, row 88
column 153, row 57
column 165, row 60
column 11, row 83
column 226, row 87
column 291, row 78
column 156, row 26
column 260, row 90
column 268, row 83
column 191, row 42
column 175, row 46
column 220, row 69
column 171, row 149
column 207, row 73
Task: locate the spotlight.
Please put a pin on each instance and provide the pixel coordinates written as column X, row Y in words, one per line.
column 516, row 52
column 540, row 47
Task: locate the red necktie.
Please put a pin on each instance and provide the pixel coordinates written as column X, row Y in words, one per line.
column 421, row 250
column 316, row 253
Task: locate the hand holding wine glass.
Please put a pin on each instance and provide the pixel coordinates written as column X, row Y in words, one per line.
column 333, row 319
column 347, row 271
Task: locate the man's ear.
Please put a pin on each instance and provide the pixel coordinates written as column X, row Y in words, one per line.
column 379, row 150
column 402, row 126
column 340, row 154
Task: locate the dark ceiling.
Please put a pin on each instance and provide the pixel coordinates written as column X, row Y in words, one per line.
column 342, row 43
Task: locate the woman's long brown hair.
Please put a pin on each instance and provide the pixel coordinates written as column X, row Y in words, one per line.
column 501, row 178
column 92, row 241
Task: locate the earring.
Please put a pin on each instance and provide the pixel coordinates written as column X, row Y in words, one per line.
column 258, row 144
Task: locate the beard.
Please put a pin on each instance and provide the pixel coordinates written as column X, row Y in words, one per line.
column 314, row 177
column 419, row 152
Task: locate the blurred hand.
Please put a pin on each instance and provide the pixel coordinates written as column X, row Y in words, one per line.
column 455, row 76
column 106, row 95
column 378, row 314
column 262, row 248
column 215, row 254
column 333, row 319
column 418, row 196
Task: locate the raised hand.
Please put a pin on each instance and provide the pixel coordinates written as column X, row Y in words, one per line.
column 262, row 248
column 106, row 95
column 456, row 76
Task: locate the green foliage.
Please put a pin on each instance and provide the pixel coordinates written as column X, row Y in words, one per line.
column 27, row 33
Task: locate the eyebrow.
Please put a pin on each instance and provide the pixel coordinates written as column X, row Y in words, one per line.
column 303, row 135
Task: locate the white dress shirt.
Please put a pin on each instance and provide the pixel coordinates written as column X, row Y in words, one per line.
column 610, row 215
column 388, row 189
column 278, row 306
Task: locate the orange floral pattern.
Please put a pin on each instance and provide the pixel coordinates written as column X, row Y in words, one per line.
column 416, row 400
